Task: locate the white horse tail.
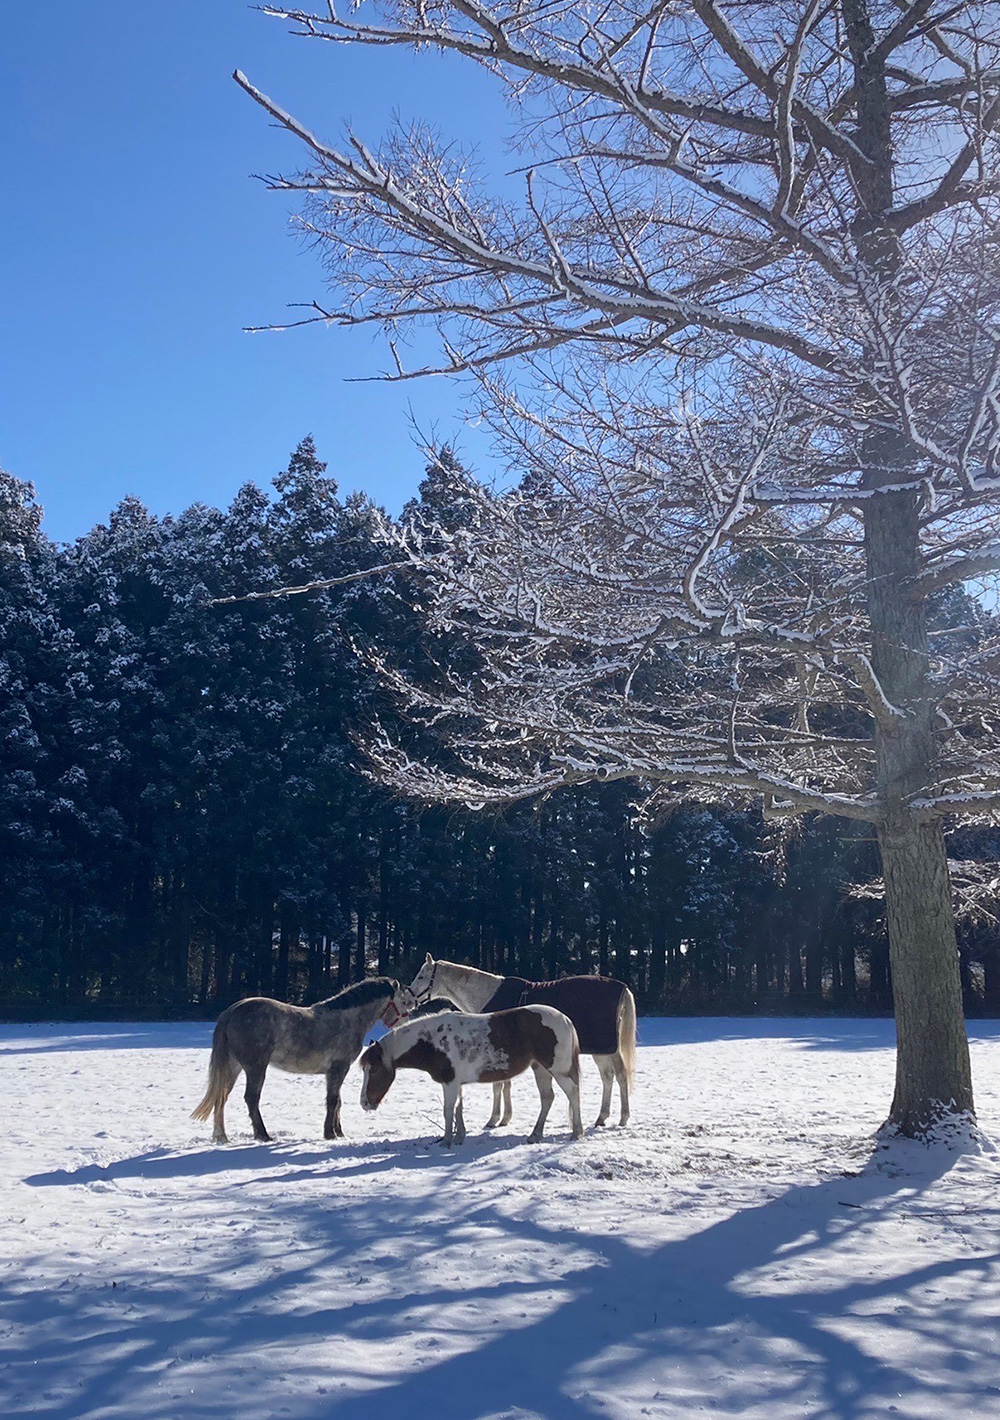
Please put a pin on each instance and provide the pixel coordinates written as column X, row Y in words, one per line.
column 574, row 1069
column 218, row 1072
column 627, row 1033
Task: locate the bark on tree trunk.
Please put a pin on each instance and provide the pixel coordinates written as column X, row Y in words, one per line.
column 849, row 969
column 281, row 975
column 361, row 941
column 602, row 945
column 796, row 986
column 933, row 1076
column 991, row 979
column 658, row 962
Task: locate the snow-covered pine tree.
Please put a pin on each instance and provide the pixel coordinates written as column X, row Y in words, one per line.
column 31, row 659
column 755, row 275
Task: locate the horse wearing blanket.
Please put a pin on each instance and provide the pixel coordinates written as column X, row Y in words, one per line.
column 456, row 1049
column 602, row 1010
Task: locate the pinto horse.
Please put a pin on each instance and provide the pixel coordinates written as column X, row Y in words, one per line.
column 322, row 1039
column 602, row 1010
column 456, row 1049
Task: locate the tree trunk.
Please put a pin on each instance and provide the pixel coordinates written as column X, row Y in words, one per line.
column 536, row 968
column 264, row 965
column 344, row 946
column 815, row 953
column 281, row 975
column 796, row 985
column 552, row 963
column 933, row 1076
column 603, row 963
column 361, row 941
column 879, row 984
column 849, row 967
column 383, row 904
column 762, row 967
column 658, row 962
column 206, row 969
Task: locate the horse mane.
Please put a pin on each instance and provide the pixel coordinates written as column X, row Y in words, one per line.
column 360, row 994
column 433, row 1007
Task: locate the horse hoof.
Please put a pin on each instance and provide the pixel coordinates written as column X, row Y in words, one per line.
column 600, row 1123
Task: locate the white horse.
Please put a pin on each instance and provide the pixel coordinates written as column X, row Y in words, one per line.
column 456, row 1049
column 473, row 990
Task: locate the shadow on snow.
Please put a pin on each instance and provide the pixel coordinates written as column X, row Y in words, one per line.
column 681, row 1326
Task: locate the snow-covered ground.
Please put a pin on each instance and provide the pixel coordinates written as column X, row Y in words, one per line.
column 738, row 1251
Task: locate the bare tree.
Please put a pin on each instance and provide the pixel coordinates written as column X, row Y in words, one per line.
column 752, row 301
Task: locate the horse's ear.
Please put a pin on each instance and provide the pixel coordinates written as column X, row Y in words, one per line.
column 428, row 960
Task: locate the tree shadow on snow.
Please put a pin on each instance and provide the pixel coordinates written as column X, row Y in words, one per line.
column 678, row 1328
column 666, row 1330
column 171, row 1163
column 281, row 1161
column 838, row 1034
column 71, row 1039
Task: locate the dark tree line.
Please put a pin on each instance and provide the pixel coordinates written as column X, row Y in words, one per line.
column 183, row 821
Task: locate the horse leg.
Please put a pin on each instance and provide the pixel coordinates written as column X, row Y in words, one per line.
column 255, row 1083
column 546, row 1094
column 452, row 1094
column 621, row 1075
column 459, row 1121
column 571, row 1089
column 508, row 1108
column 607, row 1069
column 334, row 1080
column 219, row 1116
column 494, row 1118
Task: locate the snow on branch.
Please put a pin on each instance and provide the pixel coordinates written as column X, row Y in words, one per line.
column 975, row 886
column 320, row 585
column 735, row 327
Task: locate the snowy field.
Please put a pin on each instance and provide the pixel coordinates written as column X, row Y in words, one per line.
column 738, row 1251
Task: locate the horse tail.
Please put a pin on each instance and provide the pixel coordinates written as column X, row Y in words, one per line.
column 574, row 1069
column 218, row 1072
column 627, row 1033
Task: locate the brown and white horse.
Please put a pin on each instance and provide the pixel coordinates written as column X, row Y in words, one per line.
column 602, row 1010
column 456, row 1049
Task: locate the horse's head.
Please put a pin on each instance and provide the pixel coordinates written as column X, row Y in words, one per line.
column 379, row 1074
column 397, row 1005
column 422, row 985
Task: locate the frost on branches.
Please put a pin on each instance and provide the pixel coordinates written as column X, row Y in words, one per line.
column 739, row 335
column 653, row 617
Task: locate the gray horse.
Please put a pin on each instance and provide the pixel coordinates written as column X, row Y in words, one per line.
column 322, row 1039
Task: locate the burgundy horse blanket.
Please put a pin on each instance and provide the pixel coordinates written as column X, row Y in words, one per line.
column 591, row 1002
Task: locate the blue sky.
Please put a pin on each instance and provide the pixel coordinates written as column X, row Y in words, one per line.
column 136, row 245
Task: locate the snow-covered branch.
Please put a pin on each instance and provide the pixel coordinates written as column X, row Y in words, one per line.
column 735, row 326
